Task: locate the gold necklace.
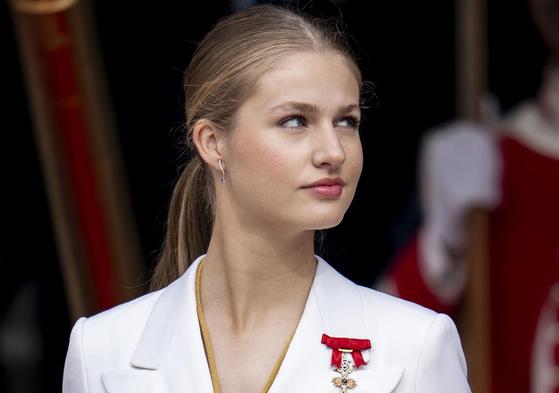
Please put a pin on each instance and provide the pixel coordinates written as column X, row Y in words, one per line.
column 208, row 346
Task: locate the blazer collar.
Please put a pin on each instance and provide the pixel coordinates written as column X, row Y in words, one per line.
column 334, row 306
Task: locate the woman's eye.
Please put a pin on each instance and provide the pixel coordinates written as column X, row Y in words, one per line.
column 350, row 122
column 293, row 122
column 299, row 122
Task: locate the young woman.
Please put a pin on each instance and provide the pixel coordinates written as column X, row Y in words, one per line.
column 241, row 302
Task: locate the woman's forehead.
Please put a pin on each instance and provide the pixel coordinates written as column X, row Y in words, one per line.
column 305, row 63
column 307, row 77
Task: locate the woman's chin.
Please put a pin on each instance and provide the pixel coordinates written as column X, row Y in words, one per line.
column 327, row 222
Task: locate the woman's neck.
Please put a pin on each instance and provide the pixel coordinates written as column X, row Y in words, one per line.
column 249, row 278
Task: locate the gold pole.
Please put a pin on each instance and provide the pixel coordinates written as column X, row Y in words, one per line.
column 48, row 32
column 475, row 321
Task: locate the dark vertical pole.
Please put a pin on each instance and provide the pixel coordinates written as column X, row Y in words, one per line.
column 79, row 154
column 471, row 44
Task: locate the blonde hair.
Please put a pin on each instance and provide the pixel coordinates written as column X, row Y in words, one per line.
column 221, row 76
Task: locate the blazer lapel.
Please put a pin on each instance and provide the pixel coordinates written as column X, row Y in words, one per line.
column 133, row 381
column 171, row 347
column 170, row 356
column 334, row 307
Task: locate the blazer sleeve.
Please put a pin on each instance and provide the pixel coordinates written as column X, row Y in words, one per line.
column 74, row 379
column 442, row 365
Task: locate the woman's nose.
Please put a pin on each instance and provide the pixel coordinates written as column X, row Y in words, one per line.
column 329, row 150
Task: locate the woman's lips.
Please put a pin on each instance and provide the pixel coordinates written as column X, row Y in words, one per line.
column 334, row 190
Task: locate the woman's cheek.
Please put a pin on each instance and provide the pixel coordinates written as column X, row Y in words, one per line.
column 260, row 158
column 356, row 159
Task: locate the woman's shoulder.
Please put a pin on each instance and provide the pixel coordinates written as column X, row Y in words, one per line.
column 424, row 342
column 125, row 320
column 403, row 324
column 393, row 307
column 397, row 322
column 380, row 309
column 400, row 317
column 105, row 341
column 379, row 306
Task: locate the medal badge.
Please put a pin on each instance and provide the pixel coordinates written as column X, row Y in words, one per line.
column 346, row 354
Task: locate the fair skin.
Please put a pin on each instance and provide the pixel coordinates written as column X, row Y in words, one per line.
column 260, row 261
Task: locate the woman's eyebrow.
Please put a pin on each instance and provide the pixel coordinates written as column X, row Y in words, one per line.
column 310, row 108
column 292, row 105
column 344, row 110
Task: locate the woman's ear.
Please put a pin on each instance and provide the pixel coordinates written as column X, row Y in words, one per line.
column 209, row 141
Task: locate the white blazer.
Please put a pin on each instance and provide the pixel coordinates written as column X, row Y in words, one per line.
column 153, row 344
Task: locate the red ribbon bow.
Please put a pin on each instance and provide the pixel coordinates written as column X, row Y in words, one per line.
column 353, row 344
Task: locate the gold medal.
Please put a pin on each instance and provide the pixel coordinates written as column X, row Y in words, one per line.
column 343, row 381
column 346, row 353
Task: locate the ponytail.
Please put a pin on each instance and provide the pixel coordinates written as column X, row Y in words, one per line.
column 189, row 223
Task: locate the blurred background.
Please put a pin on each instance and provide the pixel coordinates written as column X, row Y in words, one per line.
column 456, row 207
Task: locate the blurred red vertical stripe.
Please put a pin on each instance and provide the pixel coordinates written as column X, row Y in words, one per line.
column 63, row 86
column 78, row 147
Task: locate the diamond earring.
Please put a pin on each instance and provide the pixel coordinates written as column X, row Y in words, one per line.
column 220, row 163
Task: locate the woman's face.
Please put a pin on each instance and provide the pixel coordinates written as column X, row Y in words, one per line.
column 300, row 126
